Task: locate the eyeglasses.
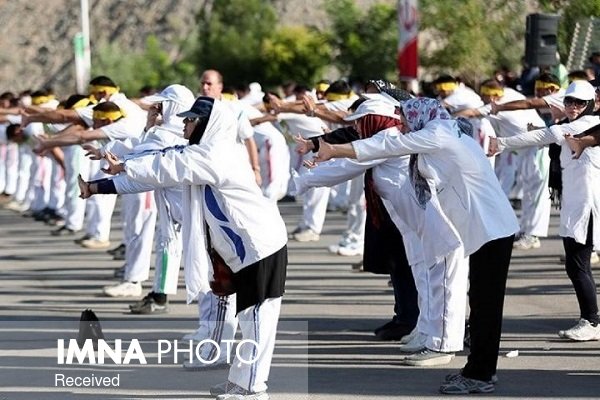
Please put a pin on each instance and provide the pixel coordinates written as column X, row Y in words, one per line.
column 188, row 120
column 572, row 101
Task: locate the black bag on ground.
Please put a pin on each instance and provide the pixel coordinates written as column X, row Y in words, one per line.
column 89, row 328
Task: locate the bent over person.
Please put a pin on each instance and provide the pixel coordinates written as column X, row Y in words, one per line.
column 224, row 208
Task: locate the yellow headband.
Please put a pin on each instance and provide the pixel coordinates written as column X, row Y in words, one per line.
column 337, row 96
column 110, row 115
column 228, row 96
column 489, row 91
column 37, row 100
column 110, row 90
column 81, row 103
column 446, row 86
column 321, row 87
column 546, row 85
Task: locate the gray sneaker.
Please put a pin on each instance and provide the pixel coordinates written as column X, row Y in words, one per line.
column 221, row 388
column 450, row 377
column 582, row 332
column 427, row 358
column 462, row 385
column 236, row 392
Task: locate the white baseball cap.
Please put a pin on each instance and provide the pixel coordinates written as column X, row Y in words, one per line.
column 176, row 93
column 376, row 107
column 582, row 90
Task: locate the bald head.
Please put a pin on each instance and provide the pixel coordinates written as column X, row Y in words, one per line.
column 211, row 83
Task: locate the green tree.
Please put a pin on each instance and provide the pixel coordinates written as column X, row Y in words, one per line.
column 231, row 35
column 151, row 67
column 295, row 53
column 471, row 38
column 366, row 43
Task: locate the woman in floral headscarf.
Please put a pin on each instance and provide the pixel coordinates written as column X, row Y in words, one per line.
column 445, row 159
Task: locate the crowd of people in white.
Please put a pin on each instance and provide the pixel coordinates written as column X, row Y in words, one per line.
column 427, row 184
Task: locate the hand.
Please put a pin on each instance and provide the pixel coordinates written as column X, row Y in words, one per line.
column 154, row 113
column 495, row 108
column 309, row 105
column 303, row 146
column 493, row 147
column 24, row 119
column 275, row 103
column 92, row 152
column 84, row 188
column 40, row 147
column 114, row 166
column 576, row 145
column 326, row 152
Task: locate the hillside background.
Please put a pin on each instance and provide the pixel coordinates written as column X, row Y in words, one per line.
column 36, row 47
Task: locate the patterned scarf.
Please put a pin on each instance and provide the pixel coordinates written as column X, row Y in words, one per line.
column 418, row 113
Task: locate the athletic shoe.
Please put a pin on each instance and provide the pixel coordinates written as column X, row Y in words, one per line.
column 427, row 358
column 150, row 306
column 462, row 385
column 118, row 249
column 124, row 289
column 236, row 392
column 16, row 206
column 455, row 375
column 393, row 331
column 63, row 231
column 306, row 235
column 354, row 248
column 582, row 332
column 527, row 242
column 95, row 244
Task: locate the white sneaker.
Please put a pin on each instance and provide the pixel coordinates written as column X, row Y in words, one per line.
column 124, row 289
column 527, row 242
column 198, row 335
column 582, row 332
column 427, row 358
column 306, row 235
column 351, row 249
column 95, row 244
column 16, row 206
column 416, row 344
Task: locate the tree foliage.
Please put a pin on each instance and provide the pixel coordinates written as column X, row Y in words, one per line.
column 366, row 43
column 151, row 67
column 295, row 53
column 231, row 35
column 471, row 37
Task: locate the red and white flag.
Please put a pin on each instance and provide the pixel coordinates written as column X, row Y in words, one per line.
column 408, row 23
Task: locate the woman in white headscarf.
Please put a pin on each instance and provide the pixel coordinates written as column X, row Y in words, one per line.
column 446, row 160
column 579, row 201
column 163, row 129
column 244, row 228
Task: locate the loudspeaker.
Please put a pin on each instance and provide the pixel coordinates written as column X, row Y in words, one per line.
column 540, row 39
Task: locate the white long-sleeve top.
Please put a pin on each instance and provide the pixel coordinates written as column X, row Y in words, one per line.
column 456, row 168
column 244, row 226
column 428, row 235
column 580, row 177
